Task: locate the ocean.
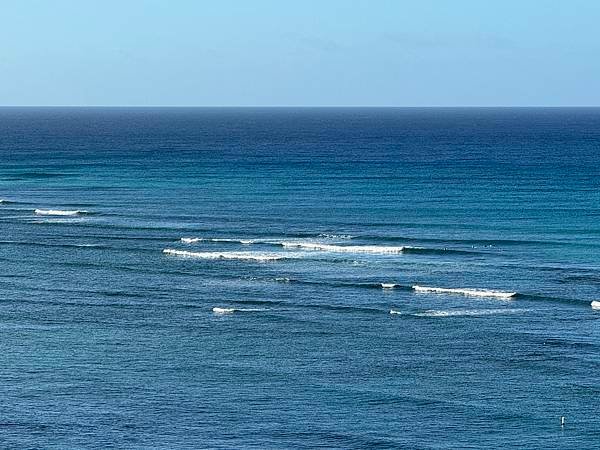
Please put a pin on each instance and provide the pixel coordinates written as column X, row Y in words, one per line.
column 185, row 278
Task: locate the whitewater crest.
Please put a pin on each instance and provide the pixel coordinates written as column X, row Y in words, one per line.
column 395, row 311
column 467, row 312
column 219, row 310
column 316, row 246
column 59, row 212
column 466, row 292
column 193, row 240
column 250, row 256
column 388, row 285
column 335, row 236
column 595, row 304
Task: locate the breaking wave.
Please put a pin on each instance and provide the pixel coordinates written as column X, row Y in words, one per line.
column 235, row 241
column 595, row 304
column 315, row 246
column 335, row 236
column 467, row 312
column 249, row 256
column 466, row 292
column 218, row 310
column 334, row 248
column 59, row 212
column 460, row 312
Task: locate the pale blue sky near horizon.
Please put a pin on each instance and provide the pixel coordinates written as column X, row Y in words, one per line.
column 300, row 53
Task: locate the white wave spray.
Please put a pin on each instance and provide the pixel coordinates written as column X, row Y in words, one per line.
column 194, row 240
column 316, row 246
column 466, row 292
column 250, row 256
column 467, row 312
column 218, row 310
column 58, row 212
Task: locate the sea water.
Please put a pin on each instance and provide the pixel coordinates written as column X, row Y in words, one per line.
column 299, row 278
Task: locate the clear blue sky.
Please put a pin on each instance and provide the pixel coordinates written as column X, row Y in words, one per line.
column 300, row 52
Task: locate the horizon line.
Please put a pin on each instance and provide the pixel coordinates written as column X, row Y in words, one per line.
column 304, row 106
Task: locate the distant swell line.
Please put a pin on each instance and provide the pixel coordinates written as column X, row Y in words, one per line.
column 61, row 245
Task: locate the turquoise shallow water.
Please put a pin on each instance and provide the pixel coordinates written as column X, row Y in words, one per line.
column 293, row 220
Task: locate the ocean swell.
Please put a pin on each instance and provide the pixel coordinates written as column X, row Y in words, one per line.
column 316, row 246
column 467, row 292
column 59, row 212
column 250, row 256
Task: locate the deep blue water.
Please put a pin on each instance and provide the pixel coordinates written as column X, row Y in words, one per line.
column 300, row 215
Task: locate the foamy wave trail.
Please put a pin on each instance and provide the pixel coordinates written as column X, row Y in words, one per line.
column 335, row 236
column 249, row 256
column 466, row 292
column 439, row 251
column 388, row 285
column 59, row 212
column 218, row 310
column 395, row 311
column 595, row 304
column 467, row 312
column 234, row 241
column 315, row 246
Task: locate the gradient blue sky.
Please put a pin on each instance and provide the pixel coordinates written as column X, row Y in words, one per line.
column 303, row 52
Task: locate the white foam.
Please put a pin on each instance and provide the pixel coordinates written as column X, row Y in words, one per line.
column 236, row 241
column 253, row 256
column 467, row 312
column 218, row 310
column 467, row 292
column 335, row 236
column 394, row 311
column 388, row 285
column 58, row 212
column 316, row 246
column 595, row 304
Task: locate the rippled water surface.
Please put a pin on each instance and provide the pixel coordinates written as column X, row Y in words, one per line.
column 299, row 278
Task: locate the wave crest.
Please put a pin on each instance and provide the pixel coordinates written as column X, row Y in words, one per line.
column 187, row 240
column 335, row 236
column 342, row 248
column 466, row 292
column 250, row 256
column 466, row 312
column 59, row 212
column 218, row 310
